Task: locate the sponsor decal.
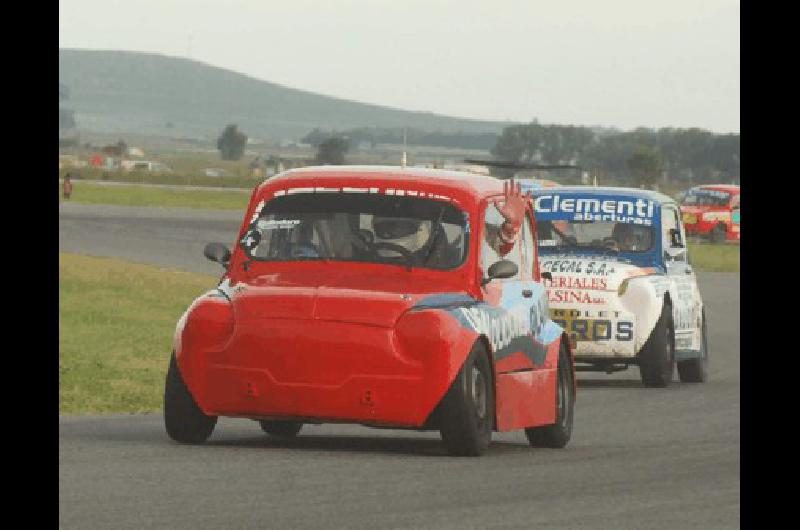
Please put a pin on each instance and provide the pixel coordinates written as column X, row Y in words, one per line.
column 275, row 224
column 568, row 295
column 500, row 327
column 574, row 207
column 250, row 239
column 602, row 328
column 257, row 211
column 379, row 191
column 589, row 267
column 567, row 282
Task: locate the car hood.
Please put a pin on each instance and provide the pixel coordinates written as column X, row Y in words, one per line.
column 375, row 300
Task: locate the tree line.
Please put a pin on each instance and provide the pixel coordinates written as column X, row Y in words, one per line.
column 678, row 154
column 642, row 155
column 394, row 135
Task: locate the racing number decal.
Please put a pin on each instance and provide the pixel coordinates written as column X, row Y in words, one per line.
column 595, row 329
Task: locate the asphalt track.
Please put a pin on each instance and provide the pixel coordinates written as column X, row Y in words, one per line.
column 639, row 458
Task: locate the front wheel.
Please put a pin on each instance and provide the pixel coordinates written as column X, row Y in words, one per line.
column 696, row 370
column 183, row 419
column 657, row 358
column 558, row 434
column 467, row 410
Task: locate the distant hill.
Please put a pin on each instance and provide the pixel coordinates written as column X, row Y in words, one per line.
column 149, row 94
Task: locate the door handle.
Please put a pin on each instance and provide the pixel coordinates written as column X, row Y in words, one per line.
column 527, row 293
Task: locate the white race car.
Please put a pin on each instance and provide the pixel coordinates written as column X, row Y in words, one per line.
column 620, row 281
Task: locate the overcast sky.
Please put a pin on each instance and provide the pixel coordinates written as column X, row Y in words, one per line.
column 620, row 63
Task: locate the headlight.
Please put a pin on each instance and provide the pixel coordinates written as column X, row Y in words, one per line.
column 623, row 287
column 647, row 271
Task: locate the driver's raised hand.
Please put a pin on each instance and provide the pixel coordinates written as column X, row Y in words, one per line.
column 512, row 208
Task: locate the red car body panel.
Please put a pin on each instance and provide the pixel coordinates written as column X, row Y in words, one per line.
column 700, row 220
column 334, row 341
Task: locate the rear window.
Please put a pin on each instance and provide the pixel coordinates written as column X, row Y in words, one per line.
column 401, row 230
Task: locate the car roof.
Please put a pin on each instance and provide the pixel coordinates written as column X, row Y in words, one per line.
column 603, row 191
column 461, row 181
column 730, row 188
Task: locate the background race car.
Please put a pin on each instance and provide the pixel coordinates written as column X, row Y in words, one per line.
column 712, row 212
column 621, row 282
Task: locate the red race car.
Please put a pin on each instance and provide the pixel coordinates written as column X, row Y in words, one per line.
column 712, row 211
column 383, row 296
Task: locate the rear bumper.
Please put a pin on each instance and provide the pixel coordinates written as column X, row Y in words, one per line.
column 329, row 371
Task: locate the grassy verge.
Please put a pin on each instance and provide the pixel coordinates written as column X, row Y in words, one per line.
column 238, row 178
column 87, row 192
column 714, row 258
column 116, row 321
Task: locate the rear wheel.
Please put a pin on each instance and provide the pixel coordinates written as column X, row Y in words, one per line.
column 657, row 358
column 696, row 370
column 281, row 429
column 467, row 410
column 183, row 419
column 558, row 434
column 719, row 234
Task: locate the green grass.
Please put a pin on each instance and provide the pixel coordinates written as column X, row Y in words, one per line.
column 116, row 323
column 714, row 258
column 240, row 178
column 87, row 192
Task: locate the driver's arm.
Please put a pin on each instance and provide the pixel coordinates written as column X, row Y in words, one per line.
column 500, row 240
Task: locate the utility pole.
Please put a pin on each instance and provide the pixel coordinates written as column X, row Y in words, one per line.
column 404, row 160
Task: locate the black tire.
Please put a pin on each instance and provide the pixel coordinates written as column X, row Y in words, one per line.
column 558, row 434
column 467, row 410
column 183, row 419
column 281, row 429
column 657, row 358
column 719, row 234
column 696, row 370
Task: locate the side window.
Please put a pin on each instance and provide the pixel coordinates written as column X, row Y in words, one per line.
column 669, row 221
column 528, row 249
column 492, row 245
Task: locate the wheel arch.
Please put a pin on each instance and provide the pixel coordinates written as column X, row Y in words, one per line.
column 483, row 339
column 565, row 341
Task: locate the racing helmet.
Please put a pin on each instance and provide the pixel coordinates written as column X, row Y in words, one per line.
column 409, row 233
column 632, row 237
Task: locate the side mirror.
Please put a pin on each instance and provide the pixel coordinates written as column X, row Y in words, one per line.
column 546, row 276
column 501, row 269
column 217, row 252
column 675, row 238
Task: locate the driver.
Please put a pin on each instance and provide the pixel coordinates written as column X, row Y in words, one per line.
column 414, row 234
column 630, row 238
column 410, row 234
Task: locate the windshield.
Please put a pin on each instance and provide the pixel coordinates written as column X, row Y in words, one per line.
column 702, row 197
column 567, row 236
column 590, row 221
column 362, row 227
